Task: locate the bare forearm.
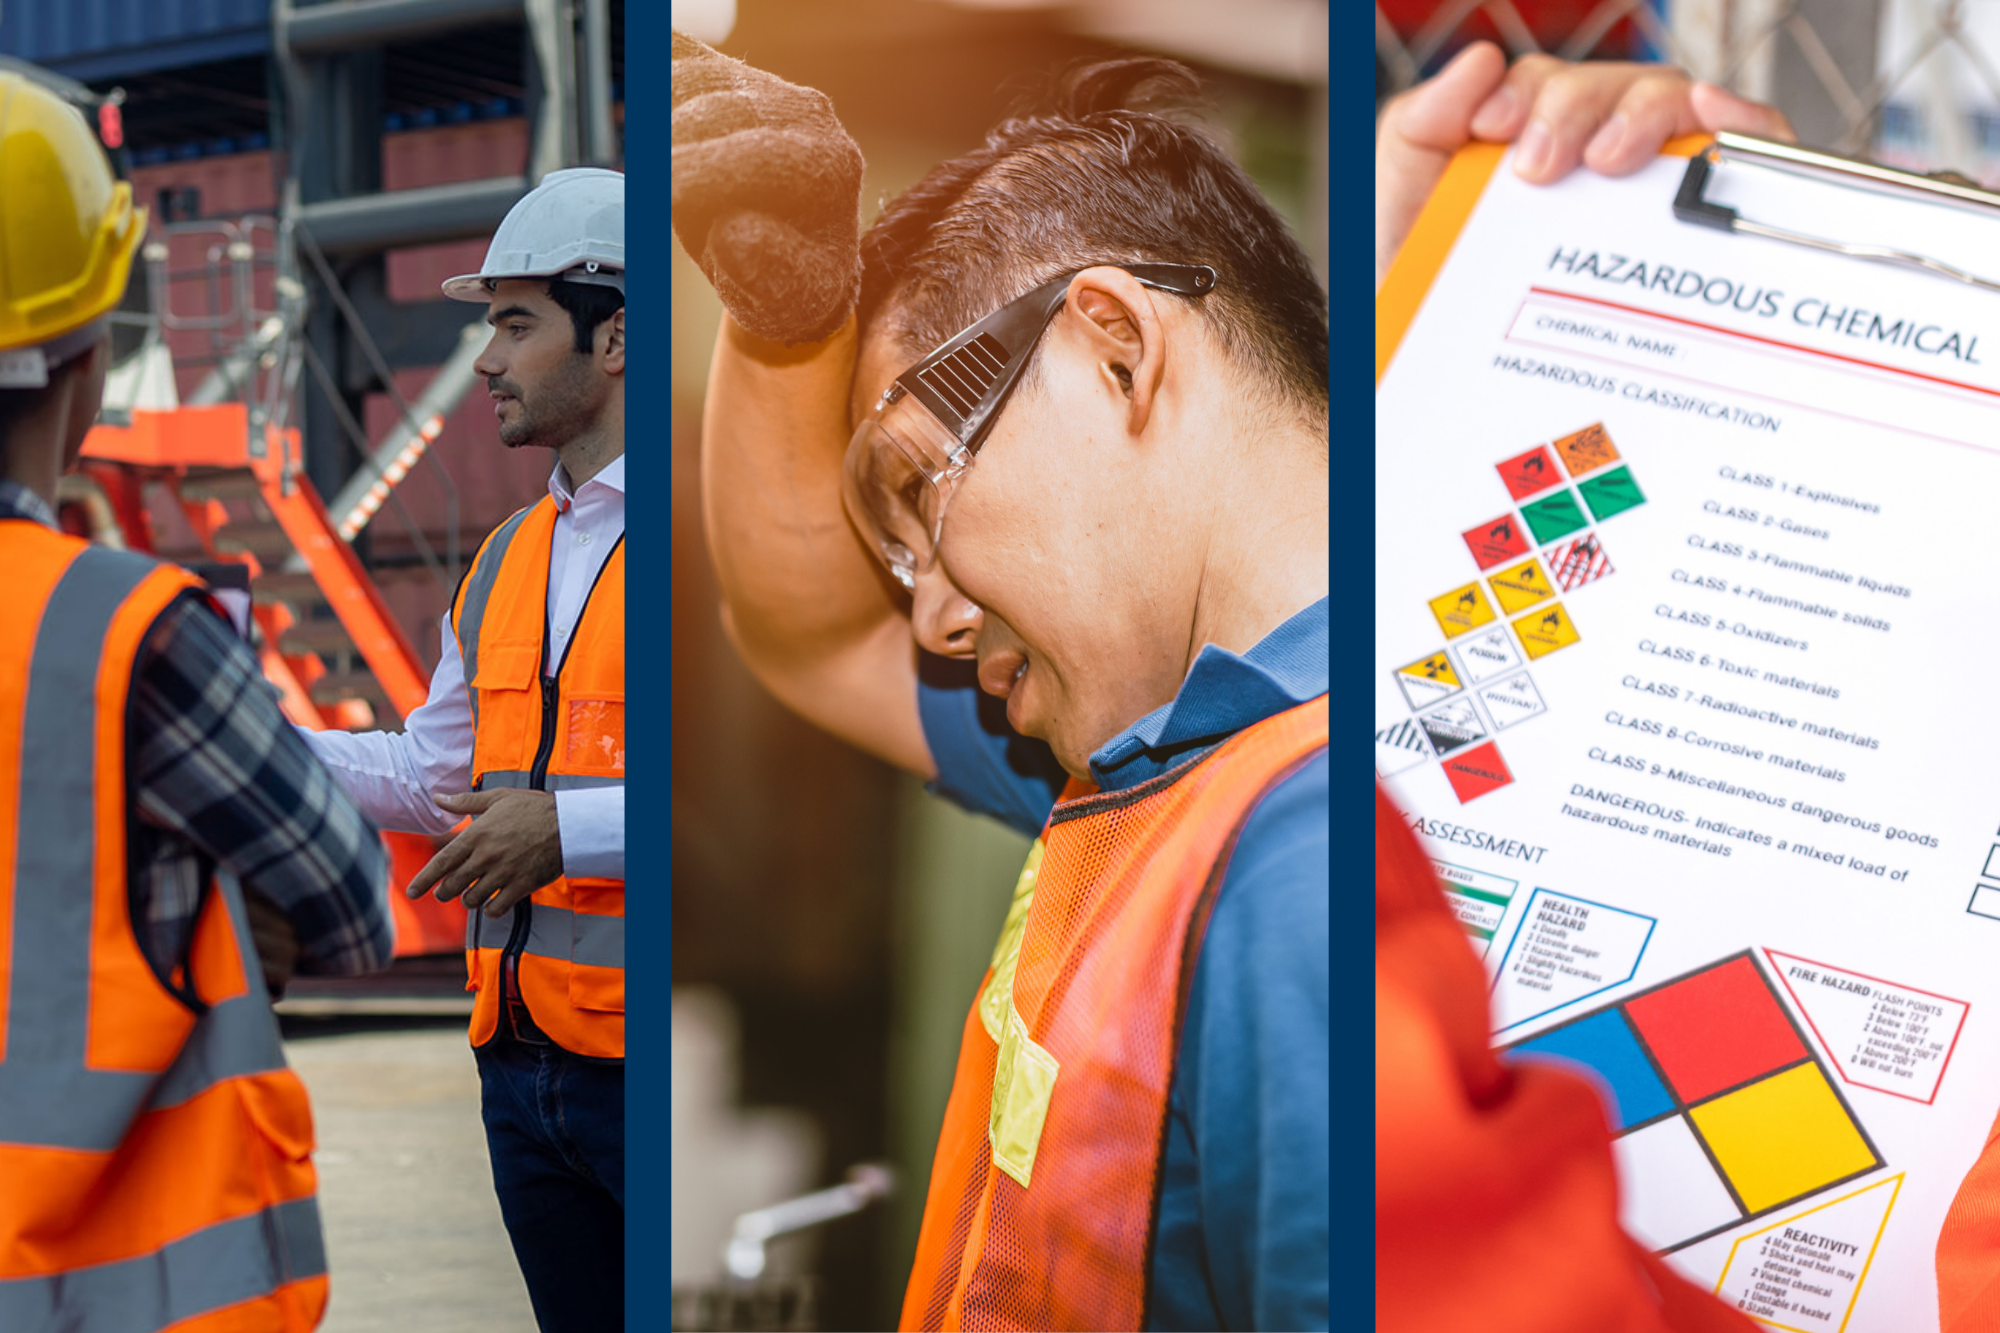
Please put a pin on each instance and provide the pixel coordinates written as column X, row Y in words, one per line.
column 809, row 610
column 794, row 575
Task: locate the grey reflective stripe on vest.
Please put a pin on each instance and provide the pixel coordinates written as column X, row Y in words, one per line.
column 581, row 782
column 500, row 779
column 47, row 1095
column 554, row 932
column 478, row 589
column 215, row 1267
column 578, row 937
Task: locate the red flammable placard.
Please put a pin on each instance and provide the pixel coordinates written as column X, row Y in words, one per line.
column 1530, row 473
column 1496, row 542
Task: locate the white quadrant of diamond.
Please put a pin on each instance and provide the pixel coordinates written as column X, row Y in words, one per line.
column 1670, row 1190
column 1483, row 656
column 1514, row 699
column 1399, row 748
column 1452, row 726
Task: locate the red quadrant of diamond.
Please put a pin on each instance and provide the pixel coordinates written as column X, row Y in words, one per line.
column 1496, row 541
column 1477, row 772
column 1716, row 1029
column 1529, row 473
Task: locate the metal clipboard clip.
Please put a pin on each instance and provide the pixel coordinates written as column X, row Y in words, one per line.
column 1853, row 173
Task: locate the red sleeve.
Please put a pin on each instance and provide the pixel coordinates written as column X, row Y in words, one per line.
column 1496, row 1199
column 1968, row 1250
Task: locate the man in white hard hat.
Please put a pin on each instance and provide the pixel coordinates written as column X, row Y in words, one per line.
column 524, row 730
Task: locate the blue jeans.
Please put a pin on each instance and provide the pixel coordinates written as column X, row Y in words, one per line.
column 555, row 1130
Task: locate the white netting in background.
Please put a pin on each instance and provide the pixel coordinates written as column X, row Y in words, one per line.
column 1910, row 82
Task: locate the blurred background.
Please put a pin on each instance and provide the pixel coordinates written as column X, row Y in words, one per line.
column 831, row 920
column 1914, row 83
column 292, row 407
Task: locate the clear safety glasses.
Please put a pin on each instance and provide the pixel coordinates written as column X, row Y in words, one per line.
column 907, row 456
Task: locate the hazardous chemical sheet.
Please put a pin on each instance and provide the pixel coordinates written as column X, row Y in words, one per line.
column 1686, row 638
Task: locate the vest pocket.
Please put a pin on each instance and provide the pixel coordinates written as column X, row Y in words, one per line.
column 594, row 736
column 275, row 1103
column 597, row 925
column 504, row 704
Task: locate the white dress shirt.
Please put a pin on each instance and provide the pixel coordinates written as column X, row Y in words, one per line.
column 393, row 776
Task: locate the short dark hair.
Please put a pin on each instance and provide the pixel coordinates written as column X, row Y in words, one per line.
column 1100, row 180
column 588, row 305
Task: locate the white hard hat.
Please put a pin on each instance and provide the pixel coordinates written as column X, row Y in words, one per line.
column 571, row 226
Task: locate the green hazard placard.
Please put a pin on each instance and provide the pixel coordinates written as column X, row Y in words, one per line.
column 1613, row 493
column 1555, row 517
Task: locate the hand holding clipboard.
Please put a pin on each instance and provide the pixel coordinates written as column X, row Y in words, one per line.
column 1612, row 118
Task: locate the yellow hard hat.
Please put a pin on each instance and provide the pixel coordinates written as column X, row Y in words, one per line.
column 68, row 229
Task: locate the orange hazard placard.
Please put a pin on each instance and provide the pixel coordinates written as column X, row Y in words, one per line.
column 1587, row 450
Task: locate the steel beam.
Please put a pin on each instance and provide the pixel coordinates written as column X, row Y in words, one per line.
column 368, row 223
column 353, row 25
column 552, row 100
column 600, row 139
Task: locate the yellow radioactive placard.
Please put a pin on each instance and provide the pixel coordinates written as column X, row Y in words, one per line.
column 1461, row 609
column 1436, row 667
column 1542, row 632
column 1426, row 682
column 1521, row 587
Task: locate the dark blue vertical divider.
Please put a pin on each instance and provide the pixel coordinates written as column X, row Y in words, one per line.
column 649, row 980
column 1351, row 549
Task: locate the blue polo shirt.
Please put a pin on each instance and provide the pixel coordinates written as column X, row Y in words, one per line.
column 1244, row 1194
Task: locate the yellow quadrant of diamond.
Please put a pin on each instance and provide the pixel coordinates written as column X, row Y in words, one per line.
column 1521, row 587
column 1782, row 1137
column 1542, row 632
column 1461, row 609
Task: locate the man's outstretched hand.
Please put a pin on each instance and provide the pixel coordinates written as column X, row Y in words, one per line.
column 511, row 848
column 1612, row 118
column 767, row 194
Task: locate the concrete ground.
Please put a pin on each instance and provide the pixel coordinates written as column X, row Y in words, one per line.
column 413, row 1233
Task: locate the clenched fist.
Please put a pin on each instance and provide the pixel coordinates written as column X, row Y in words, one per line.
column 767, row 193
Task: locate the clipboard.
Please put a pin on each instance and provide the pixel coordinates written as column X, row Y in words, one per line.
column 1416, row 265
column 1437, row 227
column 1672, row 577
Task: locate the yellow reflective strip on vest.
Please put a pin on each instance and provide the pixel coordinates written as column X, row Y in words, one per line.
column 1024, row 1077
column 1000, row 985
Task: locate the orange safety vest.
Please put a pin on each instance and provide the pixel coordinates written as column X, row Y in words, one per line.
column 1040, row 1211
column 155, row 1167
column 558, row 957
column 1496, row 1196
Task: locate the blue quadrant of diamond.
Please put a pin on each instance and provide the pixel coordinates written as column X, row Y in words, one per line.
column 1604, row 1045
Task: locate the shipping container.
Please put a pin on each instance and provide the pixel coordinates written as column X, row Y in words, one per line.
column 113, row 39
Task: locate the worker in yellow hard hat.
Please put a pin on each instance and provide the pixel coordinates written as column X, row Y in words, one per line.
column 154, row 1147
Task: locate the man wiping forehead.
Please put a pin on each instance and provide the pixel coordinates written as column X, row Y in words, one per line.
column 1045, row 522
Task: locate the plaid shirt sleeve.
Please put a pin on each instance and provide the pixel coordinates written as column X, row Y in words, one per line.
column 215, row 764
